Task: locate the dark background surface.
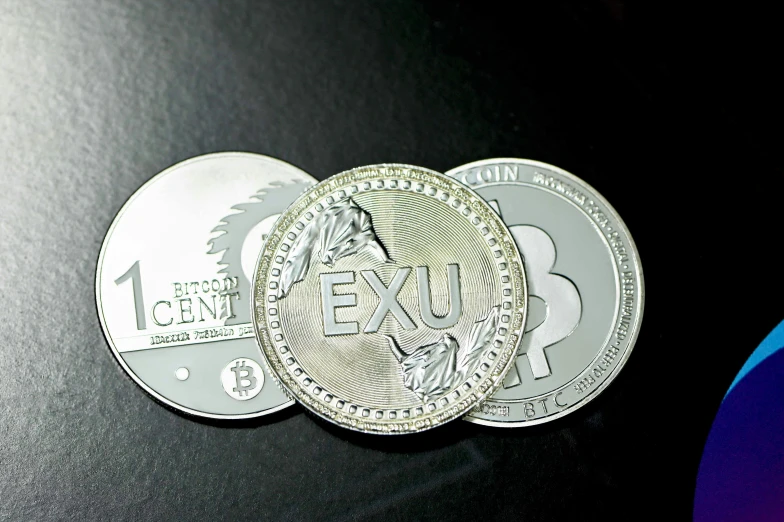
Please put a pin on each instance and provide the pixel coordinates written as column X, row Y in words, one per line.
column 671, row 113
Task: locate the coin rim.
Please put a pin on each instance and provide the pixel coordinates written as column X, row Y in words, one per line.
column 259, row 301
column 640, row 305
column 99, row 267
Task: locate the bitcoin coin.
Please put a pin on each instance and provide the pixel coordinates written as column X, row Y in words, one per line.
column 174, row 278
column 389, row 299
column 585, row 289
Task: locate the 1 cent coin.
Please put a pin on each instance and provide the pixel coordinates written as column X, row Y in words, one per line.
column 174, row 277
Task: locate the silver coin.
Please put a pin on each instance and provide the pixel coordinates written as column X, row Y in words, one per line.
column 389, row 299
column 174, row 277
column 585, row 289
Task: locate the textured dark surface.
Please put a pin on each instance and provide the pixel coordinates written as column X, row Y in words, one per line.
column 669, row 115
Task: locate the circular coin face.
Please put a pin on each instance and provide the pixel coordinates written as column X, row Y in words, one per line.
column 389, row 299
column 585, row 289
column 174, row 278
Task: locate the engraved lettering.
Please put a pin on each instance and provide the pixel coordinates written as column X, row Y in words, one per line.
column 229, row 307
column 529, row 410
column 560, row 187
column 455, row 304
column 389, row 302
column 245, row 330
column 135, row 275
column 583, row 385
column 230, row 282
column 609, row 356
column 595, row 212
column 184, row 310
column 496, row 173
column 214, row 333
column 168, row 339
column 330, row 301
column 557, row 402
column 493, row 409
column 212, row 311
column 627, row 306
column 616, row 242
column 154, row 313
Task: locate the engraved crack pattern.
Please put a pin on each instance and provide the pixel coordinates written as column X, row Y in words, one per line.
column 342, row 230
column 432, row 370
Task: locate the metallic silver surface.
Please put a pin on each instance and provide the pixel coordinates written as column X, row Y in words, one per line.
column 585, row 282
column 389, row 299
column 242, row 379
column 173, row 281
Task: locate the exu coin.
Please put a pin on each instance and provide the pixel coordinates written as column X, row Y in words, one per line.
column 389, row 299
column 174, row 278
column 585, row 289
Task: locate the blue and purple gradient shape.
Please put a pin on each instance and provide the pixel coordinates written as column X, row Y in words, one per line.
column 741, row 476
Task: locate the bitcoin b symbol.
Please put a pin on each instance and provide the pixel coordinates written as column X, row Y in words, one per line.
column 248, row 377
column 242, row 379
column 561, row 298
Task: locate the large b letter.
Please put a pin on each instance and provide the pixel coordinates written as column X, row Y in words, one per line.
column 330, row 301
column 455, row 305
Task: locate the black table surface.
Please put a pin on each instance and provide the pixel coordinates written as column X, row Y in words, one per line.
column 669, row 112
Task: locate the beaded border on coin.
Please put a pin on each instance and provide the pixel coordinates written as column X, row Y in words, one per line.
column 294, row 380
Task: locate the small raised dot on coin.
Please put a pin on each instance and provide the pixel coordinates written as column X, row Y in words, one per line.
column 182, row 373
